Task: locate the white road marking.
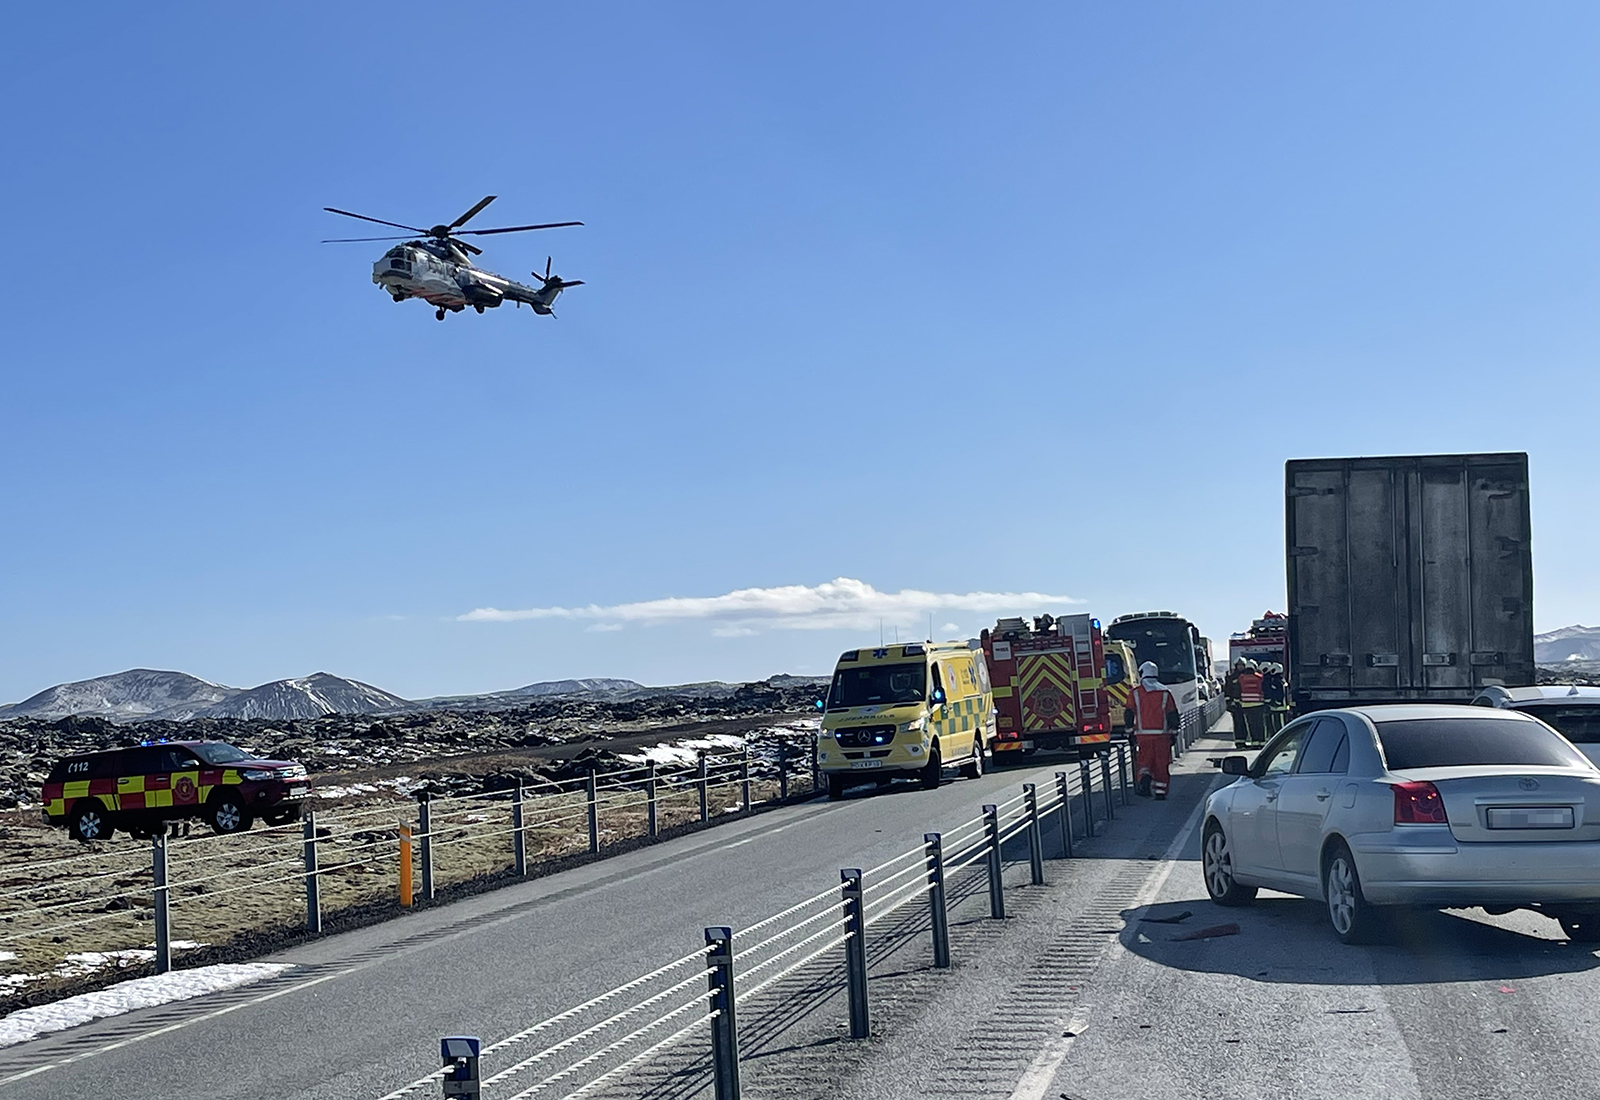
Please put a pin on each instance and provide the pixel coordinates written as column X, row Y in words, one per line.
column 1036, row 1081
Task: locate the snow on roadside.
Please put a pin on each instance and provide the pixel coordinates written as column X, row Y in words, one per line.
column 682, row 753
column 136, row 993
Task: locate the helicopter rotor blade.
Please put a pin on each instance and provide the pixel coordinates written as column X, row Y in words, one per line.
column 380, row 221
column 570, row 282
column 548, row 260
column 354, row 240
column 515, row 229
column 472, row 248
column 470, row 214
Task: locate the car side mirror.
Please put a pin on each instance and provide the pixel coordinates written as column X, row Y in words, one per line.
column 938, row 697
column 1235, row 765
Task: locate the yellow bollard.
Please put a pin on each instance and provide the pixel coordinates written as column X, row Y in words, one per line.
column 405, row 866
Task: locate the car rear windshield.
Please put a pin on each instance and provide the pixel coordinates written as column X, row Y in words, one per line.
column 1581, row 725
column 1449, row 742
column 217, row 753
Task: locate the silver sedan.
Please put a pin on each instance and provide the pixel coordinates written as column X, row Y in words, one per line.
column 1435, row 806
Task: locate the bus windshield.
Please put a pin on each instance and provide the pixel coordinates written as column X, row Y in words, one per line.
column 1165, row 642
column 878, row 685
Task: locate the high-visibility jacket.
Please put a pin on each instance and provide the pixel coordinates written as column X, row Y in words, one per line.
column 1157, row 709
column 1250, row 688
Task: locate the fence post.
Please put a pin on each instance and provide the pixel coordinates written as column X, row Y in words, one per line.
column 783, row 770
column 937, row 913
column 724, row 1026
column 308, row 833
column 650, row 796
column 1105, row 783
column 519, row 839
column 997, row 897
column 744, row 776
column 461, row 1076
column 405, row 866
column 1035, row 835
column 855, row 953
column 705, row 810
column 1122, row 769
column 594, row 814
column 425, row 821
column 1088, row 797
column 816, row 774
column 1064, row 812
column 158, row 872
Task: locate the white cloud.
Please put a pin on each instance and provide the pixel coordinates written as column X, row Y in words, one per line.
column 842, row 604
column 950, row 628
column 601, row 628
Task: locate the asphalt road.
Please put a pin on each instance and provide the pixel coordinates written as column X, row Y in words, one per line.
column 1079, row 993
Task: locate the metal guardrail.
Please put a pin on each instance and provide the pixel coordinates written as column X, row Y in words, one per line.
column 133, row 885
column 597, row 1044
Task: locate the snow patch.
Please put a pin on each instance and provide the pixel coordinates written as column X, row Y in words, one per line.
column 682, row 754
column 137, row 993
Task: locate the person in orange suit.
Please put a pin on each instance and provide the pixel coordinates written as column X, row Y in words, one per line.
column 1158, row 720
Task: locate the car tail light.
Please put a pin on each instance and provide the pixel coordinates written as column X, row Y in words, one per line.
column 1418, row 804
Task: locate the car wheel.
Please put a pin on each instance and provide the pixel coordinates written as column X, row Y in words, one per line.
column 836, row 787
column 228, row 814
column 1581, row 927
column 973, row 769
column 1217, row 863
column 932, row 773
column 1352, row 918
column 90, row 821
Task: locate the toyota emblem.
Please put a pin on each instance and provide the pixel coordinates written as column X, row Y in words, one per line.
column 1528, row 783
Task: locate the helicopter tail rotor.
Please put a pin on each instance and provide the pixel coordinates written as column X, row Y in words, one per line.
column 555, row 282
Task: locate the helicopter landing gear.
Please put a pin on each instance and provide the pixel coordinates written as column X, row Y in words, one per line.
column 440, row 313
column 478, row 308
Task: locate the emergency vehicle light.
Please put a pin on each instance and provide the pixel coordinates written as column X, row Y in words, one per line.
column 913, row 651
column 850, row 655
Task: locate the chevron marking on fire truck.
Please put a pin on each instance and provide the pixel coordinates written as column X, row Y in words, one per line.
column 1048, row 687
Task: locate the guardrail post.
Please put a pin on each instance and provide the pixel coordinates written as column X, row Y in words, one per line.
column 425, row 824
column 519, row 838
column 783, row 770
column 460, row 1056
column 997, row 896
column 704, row 783
column 816, row 767
column 1064, row 812
column 594, row 814
column 1035, row 835
column 1105, row 784
column 1122, row 769
column 1088, row 797
column 650, row 801
column 724, row 1026
column 744, row 776
column 158, row 873
column 855, row 953
column 308, row 833
column 937, row 913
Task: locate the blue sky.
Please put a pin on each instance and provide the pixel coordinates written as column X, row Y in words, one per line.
column 1028, row 299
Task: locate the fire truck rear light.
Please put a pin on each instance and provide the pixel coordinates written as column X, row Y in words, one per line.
column 1418, row 803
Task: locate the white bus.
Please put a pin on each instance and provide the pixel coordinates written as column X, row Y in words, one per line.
column 1172, row 643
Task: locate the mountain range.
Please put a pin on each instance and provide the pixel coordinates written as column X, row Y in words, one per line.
column 1570, row 643
column 143, row 694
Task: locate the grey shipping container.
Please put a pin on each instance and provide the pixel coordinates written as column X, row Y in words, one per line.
column 1410, row 578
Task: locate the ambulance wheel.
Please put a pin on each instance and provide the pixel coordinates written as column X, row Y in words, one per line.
column 228, row 814
column 836, row 786
column 932, row 773
column 90, row 821
column 973, row 769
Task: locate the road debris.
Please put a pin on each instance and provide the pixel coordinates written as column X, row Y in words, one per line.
column 1213, row 932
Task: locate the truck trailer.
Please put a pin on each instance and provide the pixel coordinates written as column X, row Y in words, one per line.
column 1410, row 578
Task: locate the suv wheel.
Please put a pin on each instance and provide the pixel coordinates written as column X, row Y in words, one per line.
column 90, row 821
column 228, row 814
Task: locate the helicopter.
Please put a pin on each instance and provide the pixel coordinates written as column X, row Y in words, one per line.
column 436, row 266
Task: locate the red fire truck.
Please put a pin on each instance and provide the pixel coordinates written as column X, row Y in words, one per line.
column 1058, row 684
column 1266, row 640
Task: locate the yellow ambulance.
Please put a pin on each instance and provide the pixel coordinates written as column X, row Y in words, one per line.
column 906, row 711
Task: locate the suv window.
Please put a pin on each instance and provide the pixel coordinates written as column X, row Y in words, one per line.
column 1322, row 749
column 1580, row 724
column 1447, row 742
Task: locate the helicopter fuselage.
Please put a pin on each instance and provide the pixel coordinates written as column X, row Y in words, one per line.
column 444, row 277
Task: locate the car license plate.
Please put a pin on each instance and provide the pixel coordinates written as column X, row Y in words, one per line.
column 859, row 764
column 1530, row 817
column 297, row 792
